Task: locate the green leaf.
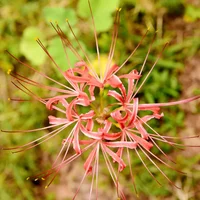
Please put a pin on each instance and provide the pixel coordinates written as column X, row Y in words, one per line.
column 192, row 13
column 30, row 48
column 102, row 11
column 60, row 15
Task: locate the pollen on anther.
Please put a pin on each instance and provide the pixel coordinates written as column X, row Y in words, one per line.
column 118, row 9
column 43, row 179
column 27, row 178
column 9, row 99
column 46, row 187
column 9, row 71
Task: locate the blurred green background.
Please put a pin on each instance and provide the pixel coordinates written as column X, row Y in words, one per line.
column 176, row 76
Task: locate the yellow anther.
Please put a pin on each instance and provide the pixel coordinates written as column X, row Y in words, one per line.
column 36, row 38
column 118, row 9
column 43, row 178
column 56, row 22
column 27, row 178
column 9, row 71
column 66, row 20
column 36, row 179
column 9, row 100
column 46, row 187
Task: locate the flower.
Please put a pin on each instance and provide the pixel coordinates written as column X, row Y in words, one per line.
column 110, row 129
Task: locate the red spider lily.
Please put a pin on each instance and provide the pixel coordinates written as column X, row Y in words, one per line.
column 111, row 130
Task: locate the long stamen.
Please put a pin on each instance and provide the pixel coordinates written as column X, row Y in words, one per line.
column 147, row 167
column 144, row 63
column 112, row 172
column 86, row 171
column 36, row 97
column 69, row 160
column 130, row 169
column 69, row 136
column 172, row 137
column 161, row 150
column 97, row 170
column 31, row 130
column 48, row 54
column 31, row 82
column 154, row 131
column 84, row 52
column 30, row 94
column 56, row 133
column 159, row 169
column 43, row 75
column 40, row 138
column 132, row 52
column 114, row 39
column 144, row 163
column 93, row 175
column 173, row 143
column 159, row 56
column 68, row 43
column 164, row 162
column 95, row 35
column 66, row 54
column 169, row 103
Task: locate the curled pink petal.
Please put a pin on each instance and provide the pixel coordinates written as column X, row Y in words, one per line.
column 91, row 134
column 134, row 111
column 116, row 115
column 111, row 136
column 116, row 95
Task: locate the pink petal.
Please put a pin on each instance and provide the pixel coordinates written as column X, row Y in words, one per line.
column 111, row 136
column 80, row 64
column 88, row 115
column 90, row 124
column 122, row 144
column 115, row 157
column 116, row 115
column 132, row 75
column 88, row 162
column 134, row 111
column 55, row 100
column 141, row 141
column 111, row 71
column 141, row 129
column 116, row 95
column 107, row 126
column 147, row 106
column 91, row 134
column 56, row 120
column 76, row 145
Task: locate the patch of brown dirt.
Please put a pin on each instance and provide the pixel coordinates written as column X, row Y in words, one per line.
column 190, row 81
